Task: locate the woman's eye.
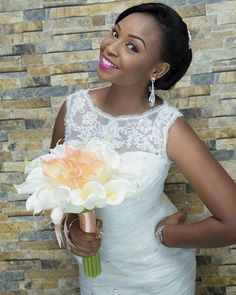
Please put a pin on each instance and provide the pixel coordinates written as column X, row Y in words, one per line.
column 132, row 47
column 114, row 33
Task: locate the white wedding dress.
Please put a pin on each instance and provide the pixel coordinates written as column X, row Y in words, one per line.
column 133, row 262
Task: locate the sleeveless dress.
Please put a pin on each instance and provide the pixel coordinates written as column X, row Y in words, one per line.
column 133, row 262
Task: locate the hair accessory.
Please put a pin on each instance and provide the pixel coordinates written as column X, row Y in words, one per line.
column 152, row 96
column 189, row 39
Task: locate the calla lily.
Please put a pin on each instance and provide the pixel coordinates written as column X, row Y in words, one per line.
column 116, row 191
column 68, row 207
column 89, row 196
column 104, row 152
column 75, row 169
column 110, row 156
column 32, row 165
column 58, row 170
column 80, row 155
column 46, row 199
column 86, row 162
column 34, row 182
column 33, row 204
column 75, row 201
column 58, row 151
column 57, row 215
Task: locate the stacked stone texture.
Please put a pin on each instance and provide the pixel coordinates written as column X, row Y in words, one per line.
column 50, row 48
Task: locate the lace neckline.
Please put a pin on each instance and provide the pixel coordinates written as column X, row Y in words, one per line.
column 121, row 117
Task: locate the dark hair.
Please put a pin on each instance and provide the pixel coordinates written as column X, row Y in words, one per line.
column 175, row 40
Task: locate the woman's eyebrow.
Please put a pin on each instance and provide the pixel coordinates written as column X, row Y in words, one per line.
column 133, row 36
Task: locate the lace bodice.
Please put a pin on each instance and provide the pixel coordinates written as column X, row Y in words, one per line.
column 142, row 132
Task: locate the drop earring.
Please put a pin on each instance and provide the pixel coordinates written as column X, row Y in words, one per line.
column 152, row 96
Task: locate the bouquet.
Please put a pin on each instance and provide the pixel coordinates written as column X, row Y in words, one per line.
column 76, row 177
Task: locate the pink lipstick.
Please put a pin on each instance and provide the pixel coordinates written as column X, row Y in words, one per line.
column 106, row 65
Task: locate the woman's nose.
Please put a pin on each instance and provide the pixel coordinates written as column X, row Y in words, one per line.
column 112, row 48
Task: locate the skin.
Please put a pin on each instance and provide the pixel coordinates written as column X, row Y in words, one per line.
column 128, row 94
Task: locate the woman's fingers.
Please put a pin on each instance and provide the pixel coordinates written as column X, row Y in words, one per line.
column 82, row 252
column 183, row 213
column 86, row 244
column 86, row 248
column 178, row 217
column 99, row 223
column 87, row 241
column 88, row 237
column 99, row 227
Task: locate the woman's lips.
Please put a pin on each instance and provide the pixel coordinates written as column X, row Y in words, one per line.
column 107, row 65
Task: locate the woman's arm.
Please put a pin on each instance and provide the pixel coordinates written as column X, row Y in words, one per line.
column 59, row 127
column 214, row 186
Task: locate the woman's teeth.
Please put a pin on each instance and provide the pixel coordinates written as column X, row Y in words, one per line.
column 106, row 62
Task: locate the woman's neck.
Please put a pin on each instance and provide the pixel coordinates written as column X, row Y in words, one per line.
column 125, row 100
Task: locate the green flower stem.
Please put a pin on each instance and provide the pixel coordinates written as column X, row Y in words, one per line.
column 97, row 264
column 92, row 265
column 86, row 266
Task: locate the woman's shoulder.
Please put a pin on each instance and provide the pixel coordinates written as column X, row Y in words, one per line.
column 170, row 108
column 167, row 115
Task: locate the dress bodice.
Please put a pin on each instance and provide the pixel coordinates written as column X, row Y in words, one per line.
column 147, row 131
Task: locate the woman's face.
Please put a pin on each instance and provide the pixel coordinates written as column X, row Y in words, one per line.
column 130, row 53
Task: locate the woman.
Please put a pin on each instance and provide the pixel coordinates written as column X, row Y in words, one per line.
column 146, row 247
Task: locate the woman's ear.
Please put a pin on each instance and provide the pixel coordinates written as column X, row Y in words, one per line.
column 160, row 70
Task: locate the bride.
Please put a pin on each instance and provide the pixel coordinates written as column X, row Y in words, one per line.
column 146, row 246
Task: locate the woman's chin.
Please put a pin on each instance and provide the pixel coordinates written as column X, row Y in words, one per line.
column 104, row 75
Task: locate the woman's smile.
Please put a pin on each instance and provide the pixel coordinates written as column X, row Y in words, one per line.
column 106, row 64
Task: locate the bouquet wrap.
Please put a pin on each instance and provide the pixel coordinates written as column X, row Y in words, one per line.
column 92, row 265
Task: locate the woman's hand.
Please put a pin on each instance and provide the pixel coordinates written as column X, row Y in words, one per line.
column 177, row 218
column 86, row 244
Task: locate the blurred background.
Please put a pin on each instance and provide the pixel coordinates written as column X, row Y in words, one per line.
column 49, row 49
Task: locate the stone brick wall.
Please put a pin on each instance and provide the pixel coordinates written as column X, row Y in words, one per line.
column 48, row 49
